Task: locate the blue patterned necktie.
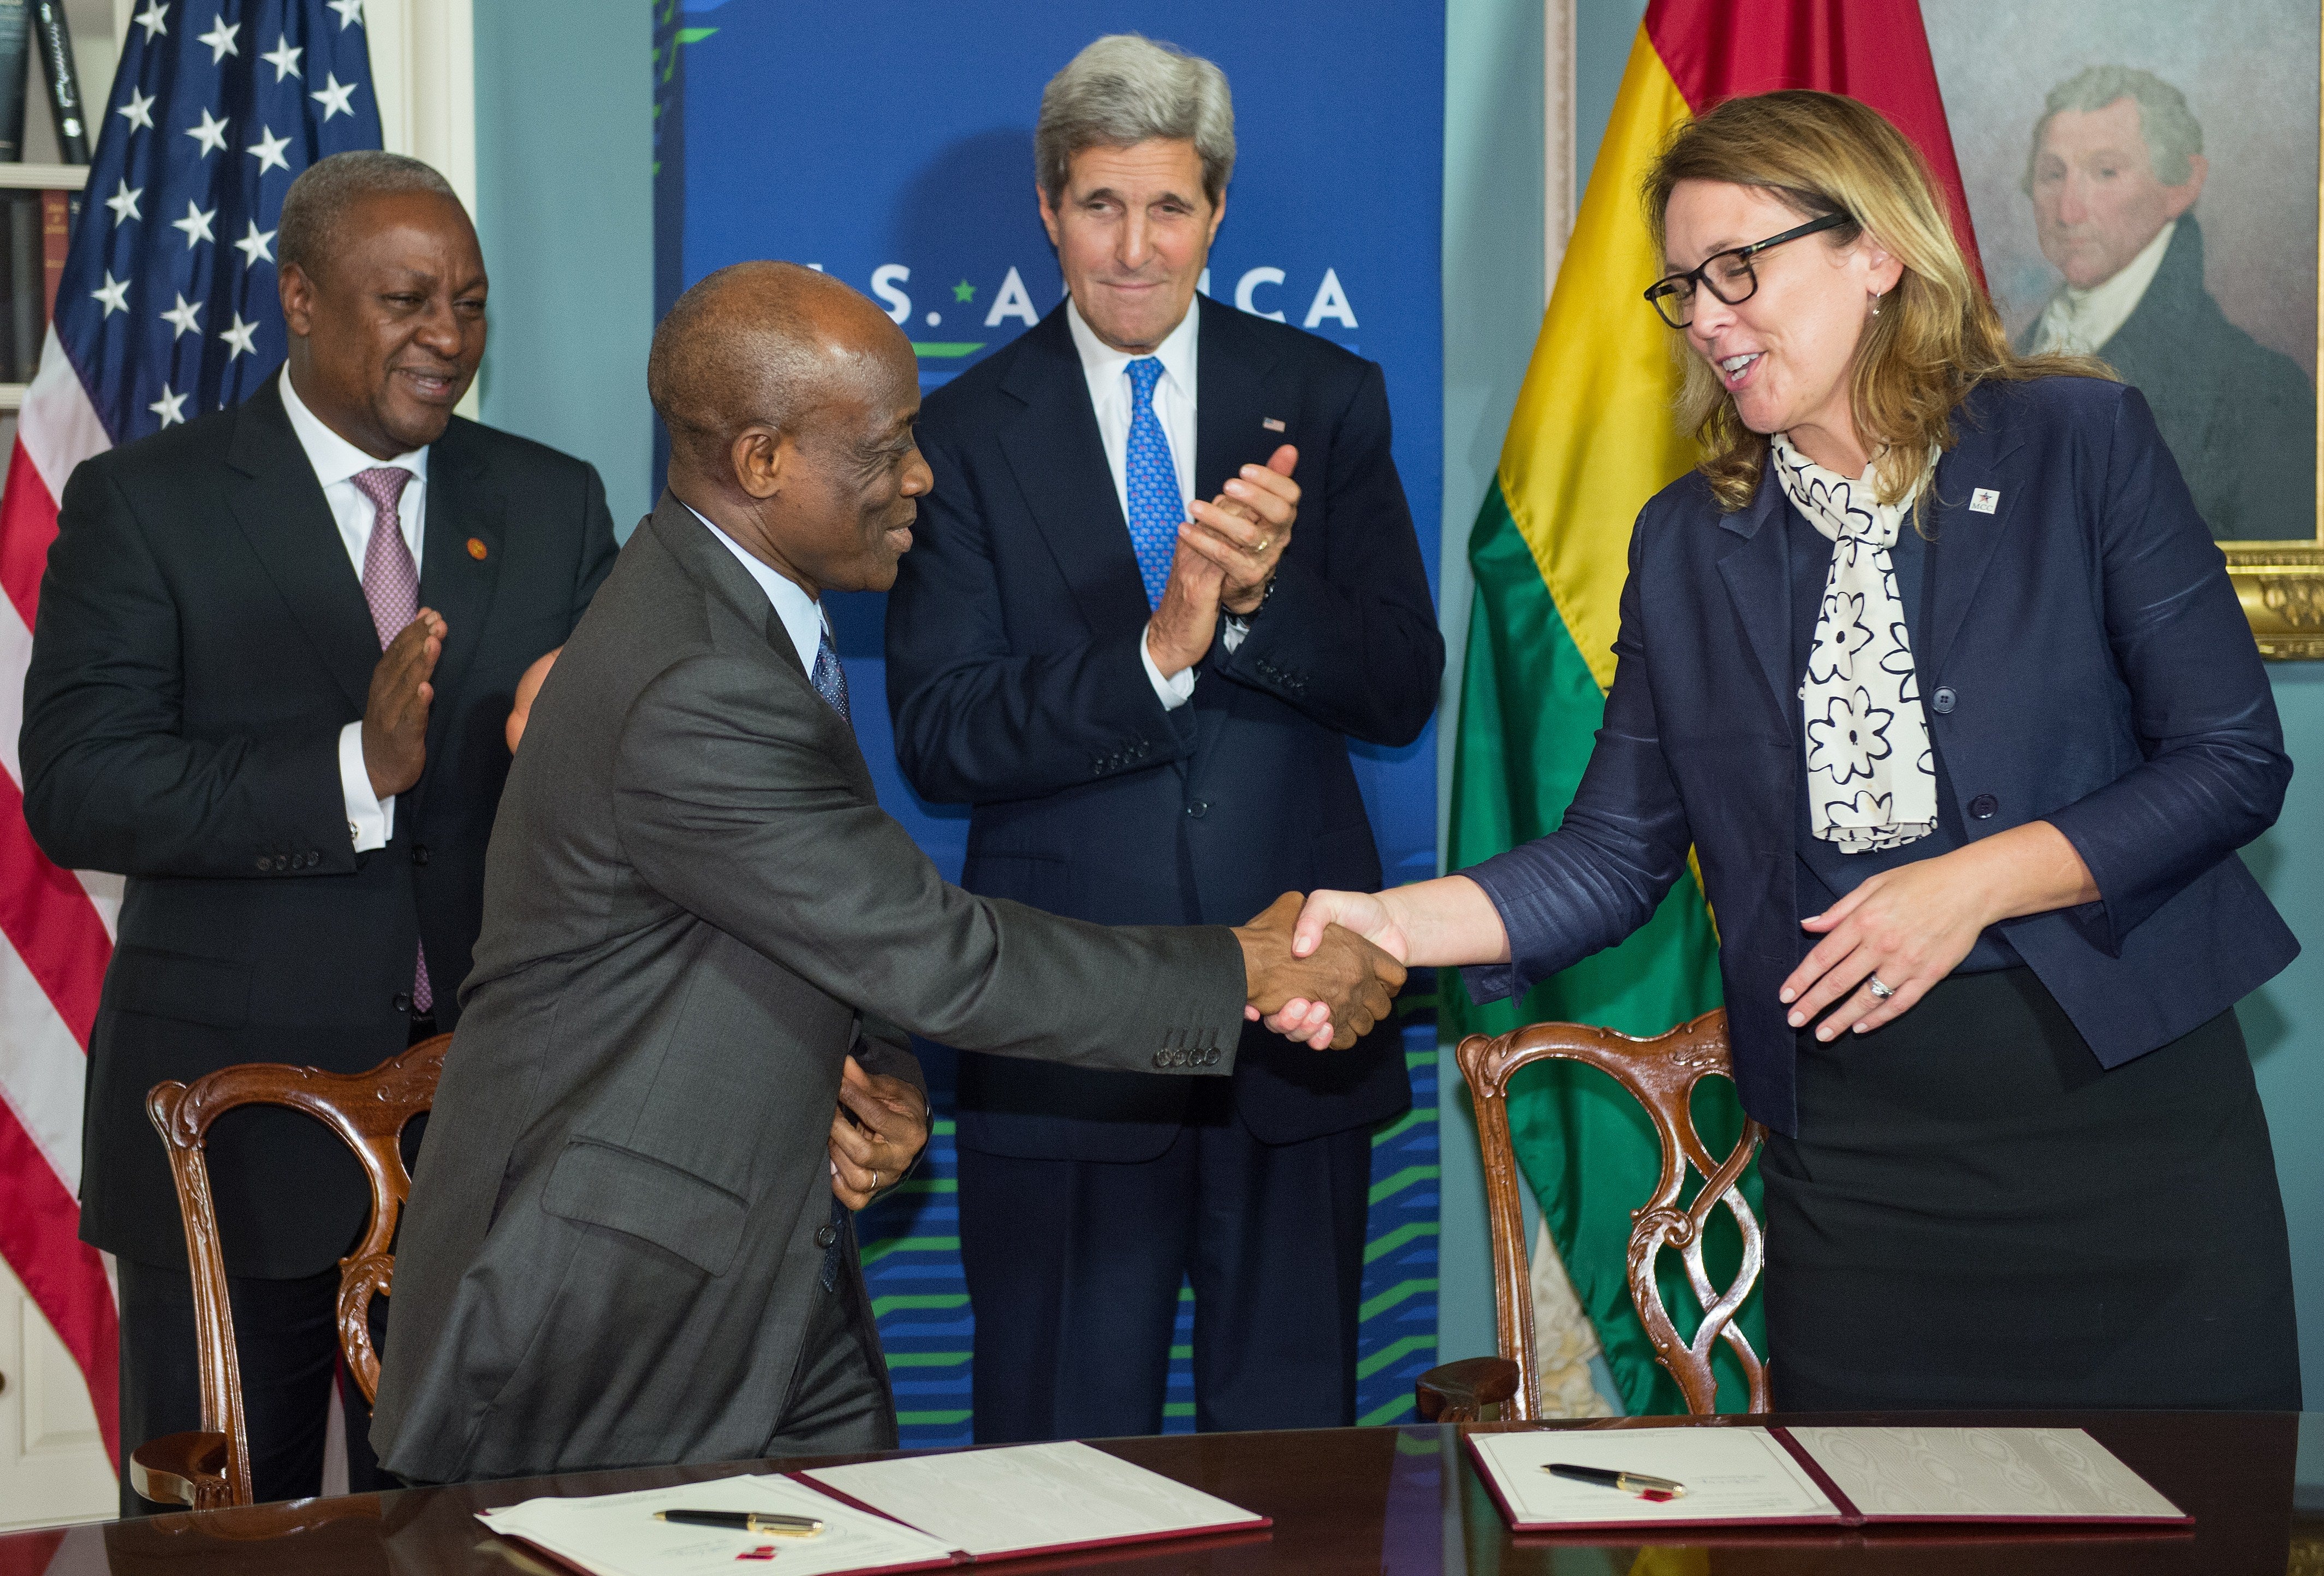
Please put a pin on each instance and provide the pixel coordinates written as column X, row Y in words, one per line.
column 830, row 680
column 1156, row 508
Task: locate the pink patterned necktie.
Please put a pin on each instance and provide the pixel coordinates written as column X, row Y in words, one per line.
column 390, row 584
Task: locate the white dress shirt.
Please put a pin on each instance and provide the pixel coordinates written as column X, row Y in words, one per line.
column 801, row 614
column 1110, row 397
column 371, row 820
column 2078, row 322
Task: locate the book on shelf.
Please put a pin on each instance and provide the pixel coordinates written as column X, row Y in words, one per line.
column 1802, row 1475
column 63, row 77
column 35, row 227
column 15, row 63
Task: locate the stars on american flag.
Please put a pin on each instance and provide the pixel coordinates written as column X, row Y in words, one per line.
column 268, row 150
column 220, row 38
column 335, row 97
column 195, row 224
column 283, row 58
column 269, row 89
column 210, row 134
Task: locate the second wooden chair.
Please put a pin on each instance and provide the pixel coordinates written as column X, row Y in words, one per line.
column 1662, row 1073
column 210, row 1468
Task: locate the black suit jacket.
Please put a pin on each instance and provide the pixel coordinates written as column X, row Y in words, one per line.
column 2240, row 419
column 201, row 640
column 1014, row 677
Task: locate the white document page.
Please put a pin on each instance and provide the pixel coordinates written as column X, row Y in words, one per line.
column 616, row 1535
column 1731, row 1474
column 1030, row 1497
column 1985, row 1474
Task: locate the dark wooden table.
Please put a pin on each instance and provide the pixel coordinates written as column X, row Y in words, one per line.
column 1378, row 1501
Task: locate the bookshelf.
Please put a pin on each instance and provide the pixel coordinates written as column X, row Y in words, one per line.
column 97, row 26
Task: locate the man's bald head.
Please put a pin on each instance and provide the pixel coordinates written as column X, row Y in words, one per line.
column 789, row 401
column 766, row 344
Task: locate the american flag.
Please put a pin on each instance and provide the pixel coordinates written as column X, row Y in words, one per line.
column 166, row 311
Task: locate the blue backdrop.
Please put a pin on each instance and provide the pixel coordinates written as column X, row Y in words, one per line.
column 891, row 143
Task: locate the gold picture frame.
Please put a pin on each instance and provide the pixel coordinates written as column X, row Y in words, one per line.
column 2238, row 85
column 2281, row 584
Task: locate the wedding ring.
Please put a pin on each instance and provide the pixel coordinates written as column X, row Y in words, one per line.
column 1876, row 989
column 875, row 1170
column 1264, row 544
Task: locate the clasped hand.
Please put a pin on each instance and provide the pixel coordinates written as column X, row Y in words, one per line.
column 1345, row 983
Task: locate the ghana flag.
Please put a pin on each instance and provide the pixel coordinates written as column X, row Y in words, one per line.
column 1592, row 440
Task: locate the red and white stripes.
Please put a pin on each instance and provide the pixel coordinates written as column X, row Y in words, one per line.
column 57, row 926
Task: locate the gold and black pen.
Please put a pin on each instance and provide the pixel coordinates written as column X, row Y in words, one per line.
column 753, row 1521
column 1638, row 1483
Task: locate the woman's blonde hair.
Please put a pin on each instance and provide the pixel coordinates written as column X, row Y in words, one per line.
column 1937, row 335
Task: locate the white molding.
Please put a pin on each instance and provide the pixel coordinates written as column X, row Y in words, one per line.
column 1559, row 199
column 423, row 64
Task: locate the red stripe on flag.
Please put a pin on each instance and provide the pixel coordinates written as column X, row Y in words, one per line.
column 47, row 916
column 39, row 1237
column 1875, row 50
column 28, row 523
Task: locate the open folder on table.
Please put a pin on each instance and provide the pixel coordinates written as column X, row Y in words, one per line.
column 901, row 1515
column 1802, row 1475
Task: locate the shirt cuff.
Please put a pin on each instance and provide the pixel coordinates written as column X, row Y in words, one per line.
column 1174, row 691
column 371, row 820
column 1233, row 630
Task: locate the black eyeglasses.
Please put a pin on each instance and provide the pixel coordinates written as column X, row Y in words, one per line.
column 1728, row 274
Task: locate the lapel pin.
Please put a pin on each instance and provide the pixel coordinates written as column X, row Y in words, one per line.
column 1984, row 501
column 476, row 548
column 1272, row 424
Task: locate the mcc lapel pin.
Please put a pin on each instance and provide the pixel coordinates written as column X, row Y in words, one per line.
column 1984, row 501
column 476, row 548
column 1272, row 424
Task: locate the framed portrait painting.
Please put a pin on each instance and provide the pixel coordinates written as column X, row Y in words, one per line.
column 2142, row 176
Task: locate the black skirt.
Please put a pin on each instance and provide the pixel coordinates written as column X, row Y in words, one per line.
column 1976, row 1215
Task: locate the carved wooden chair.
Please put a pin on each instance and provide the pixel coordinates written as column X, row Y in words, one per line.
column 1662, row 1072
column 210, row 1468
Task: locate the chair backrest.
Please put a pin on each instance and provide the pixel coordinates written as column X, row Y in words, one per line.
column 369, row 1110
column 1662, row 1073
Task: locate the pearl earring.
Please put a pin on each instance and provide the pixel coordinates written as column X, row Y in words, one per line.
column 1876, row 303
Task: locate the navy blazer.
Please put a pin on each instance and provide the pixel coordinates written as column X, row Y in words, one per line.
column 1014, row 682
column 2102, row 677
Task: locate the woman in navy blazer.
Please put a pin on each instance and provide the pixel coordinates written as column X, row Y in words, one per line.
column 1937, row 668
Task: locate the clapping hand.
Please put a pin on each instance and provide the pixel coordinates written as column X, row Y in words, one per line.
column 1342, row 983
column 1245, row 529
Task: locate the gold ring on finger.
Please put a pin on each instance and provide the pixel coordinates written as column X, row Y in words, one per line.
column 1264, row 544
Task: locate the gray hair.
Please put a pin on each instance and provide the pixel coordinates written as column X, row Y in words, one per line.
column 2170, row 129
column 1126, row 88
column 320, row 199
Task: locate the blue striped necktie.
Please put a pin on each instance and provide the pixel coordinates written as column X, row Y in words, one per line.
column 1156, row 508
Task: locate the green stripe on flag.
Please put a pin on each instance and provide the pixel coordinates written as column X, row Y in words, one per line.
column 1529, row 711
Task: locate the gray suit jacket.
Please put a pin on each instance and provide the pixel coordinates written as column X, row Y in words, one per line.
column 692, row 899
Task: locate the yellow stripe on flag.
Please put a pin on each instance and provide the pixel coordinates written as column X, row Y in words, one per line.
column 1593, row 436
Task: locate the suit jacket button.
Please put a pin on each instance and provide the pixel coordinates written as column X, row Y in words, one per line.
column 263, row 863
column 1198, row 808
column 1942, row 702
column 826, row 1235
column 1983, row 806
column 419, row 853
column 1161, row 1059
column 400, row 1002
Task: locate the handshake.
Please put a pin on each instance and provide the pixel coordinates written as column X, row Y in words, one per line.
column 1336, row 992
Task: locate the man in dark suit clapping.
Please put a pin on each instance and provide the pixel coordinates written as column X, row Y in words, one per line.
column 275, row 649
column 1148, row 697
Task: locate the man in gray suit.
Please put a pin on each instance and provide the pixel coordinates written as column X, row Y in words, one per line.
column 618, row 1249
